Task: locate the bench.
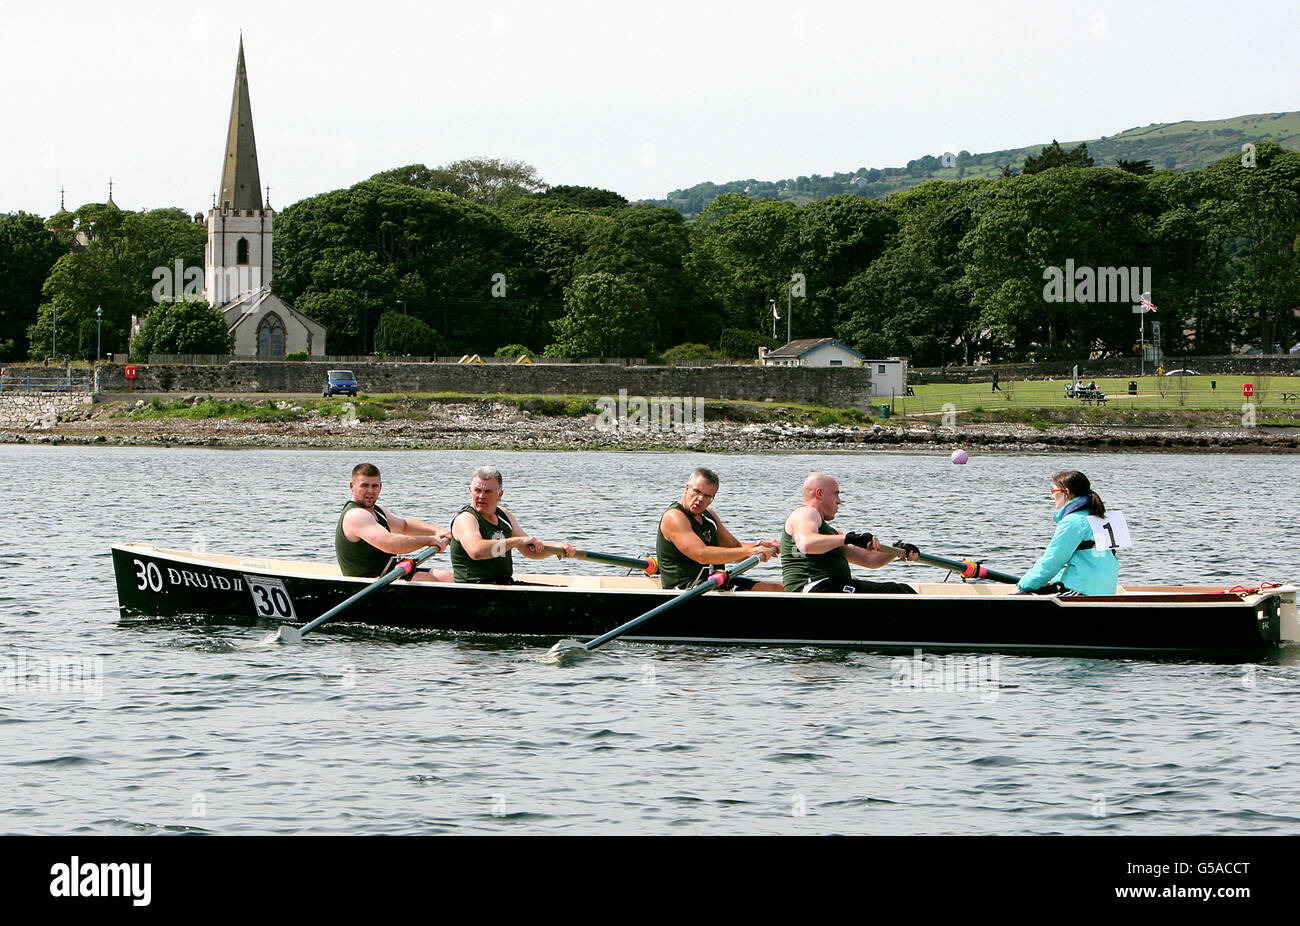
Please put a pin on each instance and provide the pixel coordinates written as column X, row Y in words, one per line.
column 1291, row 397
column 1093, row 397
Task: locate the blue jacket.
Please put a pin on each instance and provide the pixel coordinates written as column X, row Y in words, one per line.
column 1082, row 571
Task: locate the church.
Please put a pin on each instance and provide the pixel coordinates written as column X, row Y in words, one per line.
column 239, row 260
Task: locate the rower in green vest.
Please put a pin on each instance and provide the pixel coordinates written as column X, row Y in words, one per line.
column 483, row 535
column 815, row 557
column 368, row 535
column 692, row 542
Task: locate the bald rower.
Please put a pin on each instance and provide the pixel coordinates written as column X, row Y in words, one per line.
column 815, row 557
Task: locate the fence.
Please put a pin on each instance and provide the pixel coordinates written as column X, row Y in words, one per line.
column 35, row 385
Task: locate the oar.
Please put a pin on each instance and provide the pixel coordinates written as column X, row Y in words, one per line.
column 966, row 568
column 717, row 580
column 406, row 567
column 649, row 566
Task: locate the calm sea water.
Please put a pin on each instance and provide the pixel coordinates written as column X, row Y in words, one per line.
column 368, row 731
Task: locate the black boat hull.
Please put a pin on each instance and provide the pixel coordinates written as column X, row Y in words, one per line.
column 1172, row 622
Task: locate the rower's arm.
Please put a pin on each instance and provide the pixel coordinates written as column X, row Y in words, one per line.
column 400, row 525
column 533, row 548
column 678, row 532
column 465, row 530
column 803, row 527
column 872, row 559
column 1070, row 532
column 359, row 524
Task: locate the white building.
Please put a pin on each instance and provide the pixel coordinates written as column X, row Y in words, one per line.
column 812, row 352
column 888, row 377
column 239, row 260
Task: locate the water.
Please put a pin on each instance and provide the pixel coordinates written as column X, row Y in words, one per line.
column 372, row 731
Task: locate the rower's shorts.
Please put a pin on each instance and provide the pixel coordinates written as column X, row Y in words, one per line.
column 857, row 587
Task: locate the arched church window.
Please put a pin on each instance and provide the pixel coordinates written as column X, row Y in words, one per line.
column 241, row 251
column 270, row 338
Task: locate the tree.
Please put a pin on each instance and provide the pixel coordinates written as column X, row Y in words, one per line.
column 604, row 317
column 584, row 197
column 1088, row 218
column 28, row 249
column 483, row 180
column 182, row 327
column 839, row 237
column 687, row 353
column 1141, row 168
column 1257, row 217
column 117, row 270
column 1054, row 156
column 649, row 247
column 741, row 344
column 744, row 254
column 399, row 335
column 383, row 245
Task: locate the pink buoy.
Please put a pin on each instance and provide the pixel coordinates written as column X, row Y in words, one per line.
column 959, row 457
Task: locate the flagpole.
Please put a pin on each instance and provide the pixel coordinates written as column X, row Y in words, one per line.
column 1142, row 341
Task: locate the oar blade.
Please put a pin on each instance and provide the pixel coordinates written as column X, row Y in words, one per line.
column 566, row 651
column 287, row 634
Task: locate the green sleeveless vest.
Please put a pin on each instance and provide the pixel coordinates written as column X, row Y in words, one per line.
column 356, row 557
column 500, row 568
column 676, row 569
column 798, row 569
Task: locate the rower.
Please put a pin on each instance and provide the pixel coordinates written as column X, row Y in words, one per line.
column 484, row 533
column 693, row 544
column 368, row 535
column 815, row 557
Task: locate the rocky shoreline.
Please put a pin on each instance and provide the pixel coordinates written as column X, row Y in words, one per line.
column 488, row 425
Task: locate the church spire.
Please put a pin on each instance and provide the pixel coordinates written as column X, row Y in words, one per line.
column 241, row 185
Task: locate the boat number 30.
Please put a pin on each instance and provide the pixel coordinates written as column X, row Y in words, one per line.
column 148, row 577
column 270, row 597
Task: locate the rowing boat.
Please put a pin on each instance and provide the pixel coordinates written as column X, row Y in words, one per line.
column 1191, row 621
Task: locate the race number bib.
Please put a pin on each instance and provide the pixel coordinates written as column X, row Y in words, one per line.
column 1110, row 532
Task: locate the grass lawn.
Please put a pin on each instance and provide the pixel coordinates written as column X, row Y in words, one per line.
column 1277, row 393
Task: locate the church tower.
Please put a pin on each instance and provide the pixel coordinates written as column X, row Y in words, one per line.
column 238, row 258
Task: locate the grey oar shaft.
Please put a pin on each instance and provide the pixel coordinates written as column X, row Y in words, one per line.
column 706, row 586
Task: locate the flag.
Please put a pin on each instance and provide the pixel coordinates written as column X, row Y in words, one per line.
column 1145, row 299
column 774, row 312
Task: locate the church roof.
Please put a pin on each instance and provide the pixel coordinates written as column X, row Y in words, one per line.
column 241, row 184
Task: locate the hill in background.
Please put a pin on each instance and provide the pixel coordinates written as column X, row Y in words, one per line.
column 1168, row 146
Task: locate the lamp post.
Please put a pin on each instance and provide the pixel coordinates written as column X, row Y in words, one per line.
column 54, row 334
column 99, row 342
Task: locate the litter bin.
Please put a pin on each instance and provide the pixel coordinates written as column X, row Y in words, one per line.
column 1214, row 384
column 1132, row 387
column 884, row 411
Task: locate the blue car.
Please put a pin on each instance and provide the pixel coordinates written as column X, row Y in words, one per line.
column 340, row 382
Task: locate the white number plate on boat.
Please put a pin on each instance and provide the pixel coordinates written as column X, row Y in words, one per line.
column 270, row 597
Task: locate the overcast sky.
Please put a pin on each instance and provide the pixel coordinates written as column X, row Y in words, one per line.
column 640, row 98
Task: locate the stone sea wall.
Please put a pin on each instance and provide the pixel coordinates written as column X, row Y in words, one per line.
column 36, row 411
column 837, row 388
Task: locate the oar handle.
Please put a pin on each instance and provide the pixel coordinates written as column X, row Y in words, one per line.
column 649, row 566
column 966, row 568
column 717, row 580
column 404, row 567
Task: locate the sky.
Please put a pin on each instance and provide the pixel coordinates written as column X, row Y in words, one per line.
column 640, row 98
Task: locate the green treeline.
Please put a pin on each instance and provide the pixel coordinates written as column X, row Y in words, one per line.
column 946, row 272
